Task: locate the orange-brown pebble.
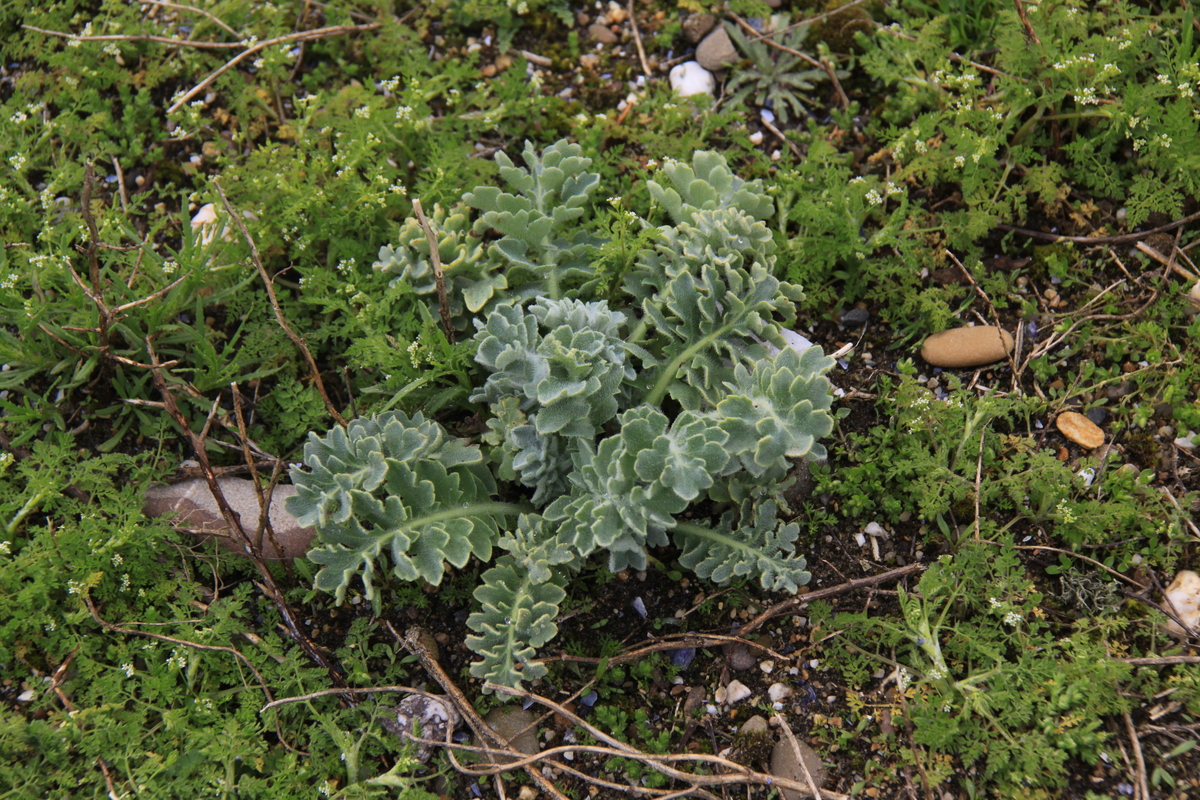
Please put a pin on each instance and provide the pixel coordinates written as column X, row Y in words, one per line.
column 1080, row 430
column 967, row 347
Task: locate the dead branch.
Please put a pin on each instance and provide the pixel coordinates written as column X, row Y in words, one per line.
column 279, row 317
column 832, row 591
column 435, row 258
column 302, row 36
column 1122, row 239
column 232, row 519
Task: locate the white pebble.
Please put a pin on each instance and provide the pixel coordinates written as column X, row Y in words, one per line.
column 778, row 692
column 690, row 78
column 736, row 692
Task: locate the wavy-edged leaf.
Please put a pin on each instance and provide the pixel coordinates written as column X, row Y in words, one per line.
column 517, row 616
column 762, row 547
column 429, row 506
column 778, row 411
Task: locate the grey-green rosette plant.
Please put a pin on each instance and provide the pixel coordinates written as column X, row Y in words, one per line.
column 576, row 391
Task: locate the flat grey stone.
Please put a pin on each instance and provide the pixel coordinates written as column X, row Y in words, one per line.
column 785, row 765
column 196, row 509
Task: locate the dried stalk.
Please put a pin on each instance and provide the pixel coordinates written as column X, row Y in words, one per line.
column 435, row 257
column 269, row 586
column 279, row 317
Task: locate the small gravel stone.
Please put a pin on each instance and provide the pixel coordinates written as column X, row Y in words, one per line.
column 1184, row 595
column 601, row 33
column 716, row 51
column 755, row 724
column 967, row 347
column 516, row 727
column 696, row 26
column 690, row 78
column 1097, row 415
column 855, row 316
column 1079, row 429
column 741, row 658
column 1120, row 390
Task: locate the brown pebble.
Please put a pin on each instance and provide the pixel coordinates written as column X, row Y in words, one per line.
column 601, row 33
column 489, row 71
column 1063, row 454
column 1080, row 430
column 967, row 347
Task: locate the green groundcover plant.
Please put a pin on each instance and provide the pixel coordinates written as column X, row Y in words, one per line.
column 659, row 418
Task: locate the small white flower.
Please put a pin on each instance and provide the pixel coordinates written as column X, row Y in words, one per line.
column 994, row 603
column 873, row 198
column 127, row 668
column 959, row 161
column 6, row 548
column 1165, row 80
column 363, row 112
column 1012, row 618
column 857, row 179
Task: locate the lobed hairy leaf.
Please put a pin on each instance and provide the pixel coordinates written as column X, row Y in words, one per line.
column 761, row 546
column 394, row 488
column 516, row 617
column 707, row 184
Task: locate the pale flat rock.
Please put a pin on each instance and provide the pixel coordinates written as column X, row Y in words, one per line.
column 425, row 717
column 1184, row 595
column 515, row 726
column 967, row 347
column 601, row 33
column 733, row 692
column 755, row 724
column 195, row 508
column 1079, row 429
column 716, row 51
column 784, row 764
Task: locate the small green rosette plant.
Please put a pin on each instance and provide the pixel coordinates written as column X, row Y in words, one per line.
column 666, row 421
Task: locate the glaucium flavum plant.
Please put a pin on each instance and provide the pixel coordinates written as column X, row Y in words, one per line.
column 576, row 393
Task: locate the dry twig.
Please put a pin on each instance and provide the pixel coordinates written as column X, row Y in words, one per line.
column 435, row 257
column 1143, row 785
column 297, row 340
